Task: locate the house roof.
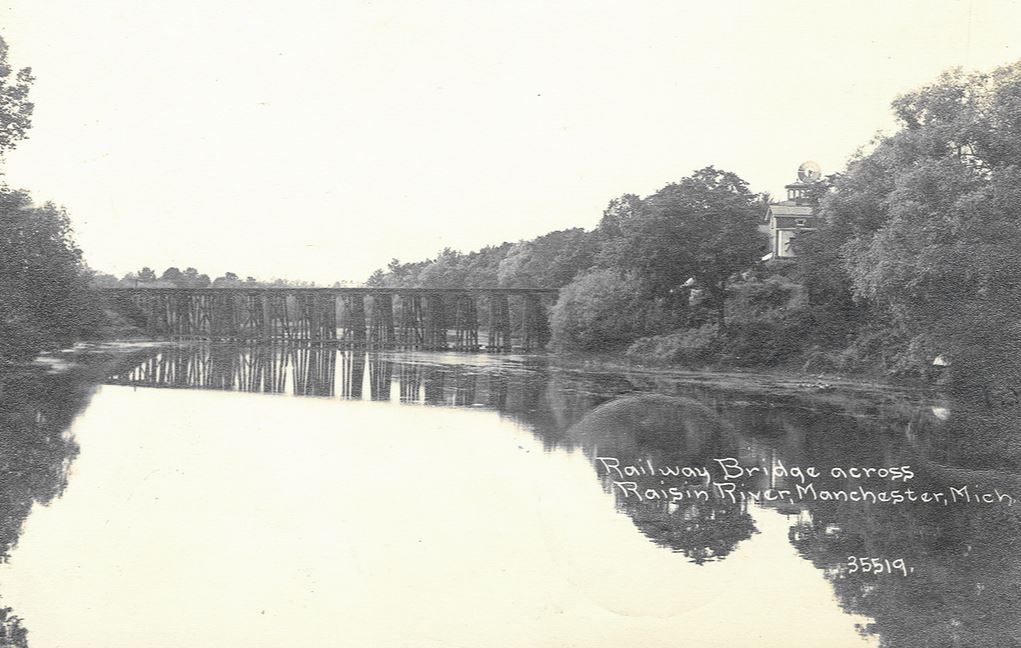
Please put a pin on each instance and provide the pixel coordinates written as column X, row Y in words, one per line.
column 781, row 209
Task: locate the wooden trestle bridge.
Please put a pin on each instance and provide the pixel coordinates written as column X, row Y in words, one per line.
column 469, row 319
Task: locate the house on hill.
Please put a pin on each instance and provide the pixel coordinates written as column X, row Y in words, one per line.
column 786, row 219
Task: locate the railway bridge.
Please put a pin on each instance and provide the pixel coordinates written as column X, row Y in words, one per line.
column 462, row 319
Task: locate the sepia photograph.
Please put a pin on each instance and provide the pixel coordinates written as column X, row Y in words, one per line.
column 452, row 324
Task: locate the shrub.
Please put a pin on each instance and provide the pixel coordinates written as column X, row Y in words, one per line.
column 599, row 310
column 690, row 346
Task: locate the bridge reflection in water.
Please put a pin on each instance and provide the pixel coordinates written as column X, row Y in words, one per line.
column 316, row 370
column 470, row 319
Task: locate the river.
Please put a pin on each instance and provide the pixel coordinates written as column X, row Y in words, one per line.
column 247, row 496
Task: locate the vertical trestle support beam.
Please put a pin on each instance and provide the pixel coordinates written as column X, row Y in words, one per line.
column 435, row 323
column 381, row 325
column 499, row 338
column 354, row 325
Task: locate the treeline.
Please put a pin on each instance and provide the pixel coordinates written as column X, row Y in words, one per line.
column 174, row 277
column 918, row 257
column 632, row 276
column 43, row 281
column 626, row 278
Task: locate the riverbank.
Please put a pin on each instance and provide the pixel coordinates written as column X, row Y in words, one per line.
column 99, row 357
column 773, row 383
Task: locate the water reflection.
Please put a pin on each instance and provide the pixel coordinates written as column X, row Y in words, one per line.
column 967, row 569
column 318, row 370
column 656, row 430
column 966, row 566
column 35, row 453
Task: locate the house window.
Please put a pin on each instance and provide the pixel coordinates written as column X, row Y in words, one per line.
column 783, row 243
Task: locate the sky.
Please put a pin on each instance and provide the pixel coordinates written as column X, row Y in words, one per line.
column 318, row 139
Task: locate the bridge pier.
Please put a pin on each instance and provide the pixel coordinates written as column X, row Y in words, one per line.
column 499, row 338
column 268, row 322
column 466, row 323
column 381, row 333
column 354, row 315
column 183, row 312
column 326, row 309
column 275, row 320
column 305, row 310
column 216, row 317
column 534, row 326
column 435, row 323
column 250, row 322
column 412, row 329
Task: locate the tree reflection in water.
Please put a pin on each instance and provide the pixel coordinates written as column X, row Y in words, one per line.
column 702, row 531
column 35, row 453
column 963, row 592
column 668, row 431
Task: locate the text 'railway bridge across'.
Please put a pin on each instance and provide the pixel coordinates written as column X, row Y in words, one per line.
column 460, row 319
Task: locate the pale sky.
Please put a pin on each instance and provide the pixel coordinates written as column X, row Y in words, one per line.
column 316, row 139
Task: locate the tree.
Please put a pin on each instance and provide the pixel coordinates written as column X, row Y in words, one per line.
column 927, row 229
column 619, row 215
column 102, row 279
column 44, row 298
column 397, row 271
column 377, row 280
column 146, row 275
column 15, row 108
column 548, row 261
column 704, row 227
column 172, row 274
column 190, row 278
column 598, row 311
column 229, row 279
column 447, row 271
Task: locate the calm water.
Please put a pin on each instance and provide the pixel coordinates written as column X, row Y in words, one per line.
column 277, row 497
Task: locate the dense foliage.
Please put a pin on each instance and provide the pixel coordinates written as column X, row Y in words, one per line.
column 43, row 285
column 549, row 261
column 703, row 228
column 600, row 309
column 15, row 108
column 923, row 233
